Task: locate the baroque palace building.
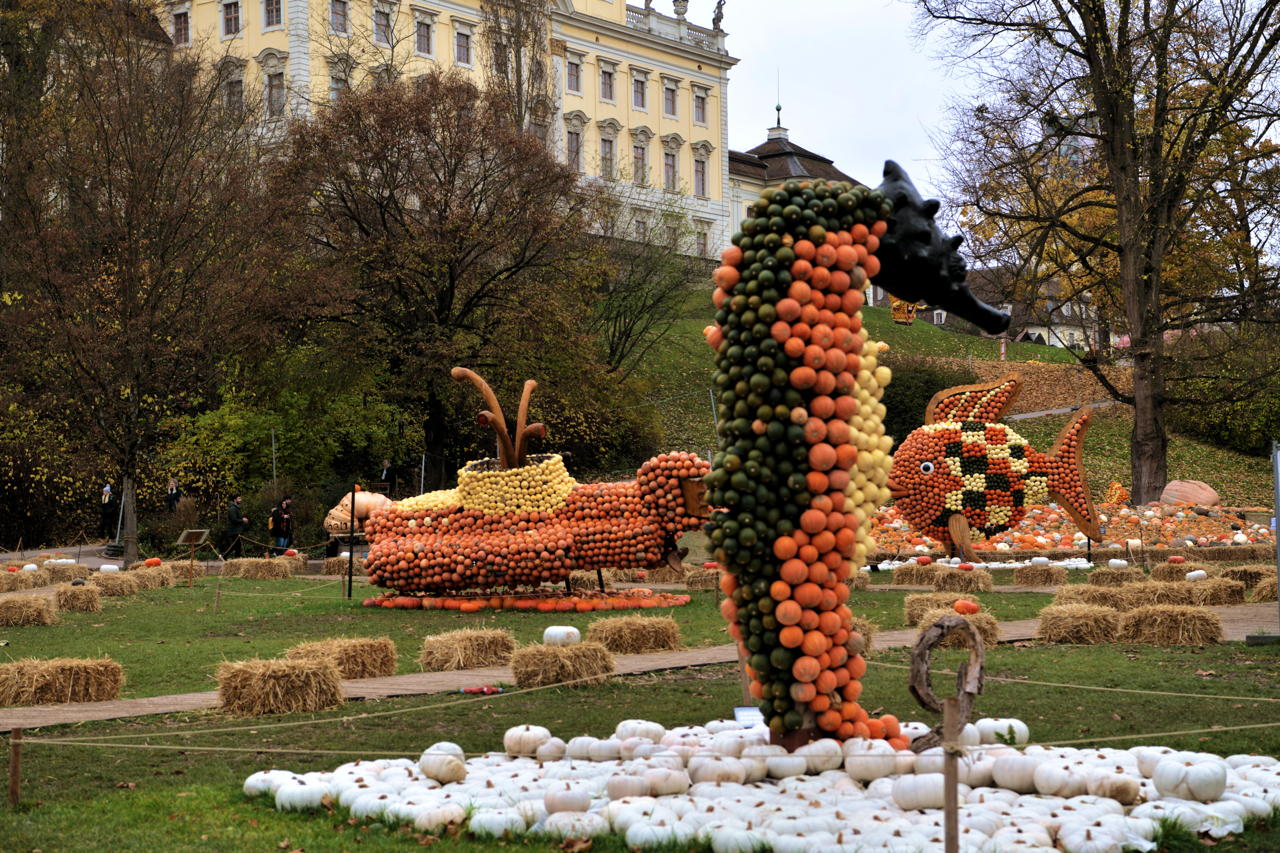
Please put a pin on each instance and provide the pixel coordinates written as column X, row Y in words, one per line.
column 637, row 97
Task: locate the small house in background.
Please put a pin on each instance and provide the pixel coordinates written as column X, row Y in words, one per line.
column 773, row 162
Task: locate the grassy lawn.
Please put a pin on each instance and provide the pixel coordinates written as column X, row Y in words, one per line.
column 1240, row 480
column 921, row 338
column 77, row 796
column 171, row 640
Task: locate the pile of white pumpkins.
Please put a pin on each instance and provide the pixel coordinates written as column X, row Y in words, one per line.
column 725, row 785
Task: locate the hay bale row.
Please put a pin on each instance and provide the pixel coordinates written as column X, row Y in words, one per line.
column 914, row 574
column 1217, row 591
column 630, row 635
column 124, row 583
column 154, row 577
column 867, row 630
column 355, row 657
column 984, row 623
column 338, row 566
column 1117, row 577
column 1039, row 575
column 667, row 573
column 1181, row 593
column 1265, row 590
column 955, row 580
column 63, row 572
column 56, row 680
column 1170, row 625
column 916, row 606
column 1212, row 554
column 85, row 598
column 584, row 579
column 1098, row 596
column 260, row 568
column 252, row 688
column 173, row 569
column 582, row 664
column 1178, row 571
column 1250, row 576
column 16, row 581
column 22, row 610
column 466, row 649
column 859, row 581
column 627, row 575
column 1079, row 624
column 702, row 579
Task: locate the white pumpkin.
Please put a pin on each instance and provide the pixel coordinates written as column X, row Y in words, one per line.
column 1114, row 785
column 1059, row 779
column 709, row 767
column 1002, row 730
column 1148, row 757
column 438, row 816
column 31, row 567
column 640, row 728
column 913, row 730
column 1117, row 564
column 646, row 834
column 266, row 782
column 444, row 762
column 496, row 823
column 1016, row 772
column 734, row 840
column 784, row 766
column 867, row 759
column 608, row 749
column 524, row 740
column 620, row 786
column 298, row 796
column 628, row 747
column 107, row 568
column 1196, row 575
column 575, row 825
column 1187, row 780
column 930, row 760
column 552, row 749
column 921, row 791
column 561, row 635
column 567, row 798
column 822, row 755
column 579, row 748
column 665, row 782
column 722, row 725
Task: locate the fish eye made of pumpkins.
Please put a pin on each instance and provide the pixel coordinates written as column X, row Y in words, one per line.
column 758, row 476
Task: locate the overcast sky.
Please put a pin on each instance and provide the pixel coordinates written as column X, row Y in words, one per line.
column 858, row 85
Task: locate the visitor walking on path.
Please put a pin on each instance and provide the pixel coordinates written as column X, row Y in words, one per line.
column 281, row 524
column 237, row 524
column 106, row 512
column 172, row 495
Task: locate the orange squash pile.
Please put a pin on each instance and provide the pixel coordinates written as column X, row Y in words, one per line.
column 599, row 525
column 803, row 460
column 585, row 602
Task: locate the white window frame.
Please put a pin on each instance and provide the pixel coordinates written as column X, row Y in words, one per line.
column 222, row 18
column 577, row 60
column 345, row 5
column 939, row 317
column 672, row 85
column 183, row 9
column 383, row 9
column 640, row 154
column 608, row 162
column 705, row 190
column 671, row 171
column 611, row 68
column 425, row 16
column 573, row 154
column 701, row 238
column 270, row 28
column 701, row 93
column 463, row 27
column 640, row 76
column 273, row 62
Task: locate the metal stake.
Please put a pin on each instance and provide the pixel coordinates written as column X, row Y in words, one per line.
column 351, row 543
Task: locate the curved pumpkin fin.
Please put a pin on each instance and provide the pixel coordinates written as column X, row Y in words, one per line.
column 984, row 403
column 1067, row 481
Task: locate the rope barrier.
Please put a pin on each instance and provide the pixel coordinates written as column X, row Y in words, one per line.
column 990, row 678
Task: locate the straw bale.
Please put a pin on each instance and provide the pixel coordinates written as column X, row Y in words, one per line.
column 85, row 598
column 1178, row 571
column 27, row 610
column 466, row 649
column 1116, row 577
column 627, row 575
column 1215, row 591
column 1250, row 576
column 1160, row 592
column 338, row 566
column 859, row 581
column 1265, row 590
column 667, row 573
column 955, row 580
column 32, row 681
column 915, row 606
column 586, row 579
column 1170, row 625
column 1039, row 575
column 156, row 577
column 355, row 657
column 983, row 622
column 260, row 568
column 61, row 572
column 867, row 630
column 914, row 574
column 582, row 663
column 1114, row 597
column 702, row 579
column 115, row 584
column 297, row 563
column 254, row 687
column 1079, row 624
column 15, row 581
column 631, row 635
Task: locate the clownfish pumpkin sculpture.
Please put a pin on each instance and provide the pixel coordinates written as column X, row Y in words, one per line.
column 962, row 471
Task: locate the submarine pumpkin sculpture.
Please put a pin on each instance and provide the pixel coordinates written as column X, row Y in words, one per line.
column 962, row 471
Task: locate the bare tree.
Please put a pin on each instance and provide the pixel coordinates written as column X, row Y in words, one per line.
column 145, row 242
column 517, row 55
column 1108, row 130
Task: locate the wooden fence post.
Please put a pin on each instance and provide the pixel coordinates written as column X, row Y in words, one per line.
column 15, row 767
column 951, row 723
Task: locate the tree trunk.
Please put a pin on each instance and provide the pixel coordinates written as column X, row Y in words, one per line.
column 130, row 509
column 1148, row 445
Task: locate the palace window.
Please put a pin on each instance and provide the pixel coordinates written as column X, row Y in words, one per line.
column 573, row 148
column 230, row 19
column 272, row 13
column 338, row 19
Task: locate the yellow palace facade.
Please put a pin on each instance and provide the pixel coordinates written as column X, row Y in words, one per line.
column 638, row 96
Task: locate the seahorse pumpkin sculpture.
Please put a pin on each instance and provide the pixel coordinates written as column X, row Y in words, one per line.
column 803, row 460
column 521, row 521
